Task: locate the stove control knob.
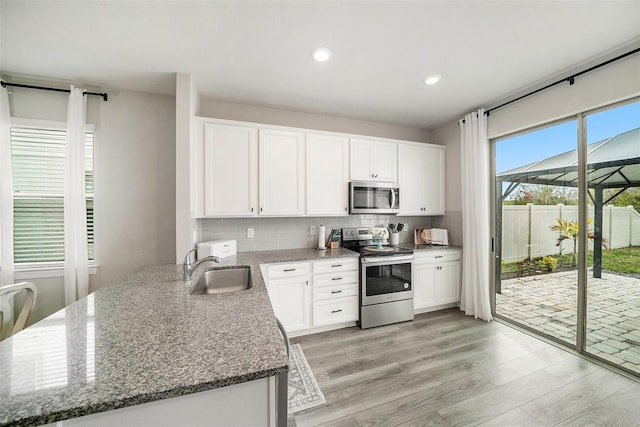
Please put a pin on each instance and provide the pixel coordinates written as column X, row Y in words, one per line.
column 406, row 286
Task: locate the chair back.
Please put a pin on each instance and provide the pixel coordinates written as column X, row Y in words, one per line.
column 7, row 303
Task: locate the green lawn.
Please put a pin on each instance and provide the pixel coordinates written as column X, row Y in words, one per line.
column 623, row 261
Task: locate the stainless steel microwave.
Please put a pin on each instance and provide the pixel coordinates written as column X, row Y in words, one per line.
column 373, row 197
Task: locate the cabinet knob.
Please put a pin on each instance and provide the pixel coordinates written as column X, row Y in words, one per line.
column 372, row 176
column 260, row 208
column 376, row 176
column 251, row 209
column 307, row 283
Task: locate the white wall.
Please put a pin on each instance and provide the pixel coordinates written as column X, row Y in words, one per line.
column 614, row 82
column 449, row 135
column 274, row 116
column 186, row 104
column 134, row 213
column 617, row 81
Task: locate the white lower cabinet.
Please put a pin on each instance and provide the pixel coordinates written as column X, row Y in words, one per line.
column 437, row 279
column 311, row 295
column 332, row 311
column 290, row 294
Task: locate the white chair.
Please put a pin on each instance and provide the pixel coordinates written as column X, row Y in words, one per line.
column 7, row 296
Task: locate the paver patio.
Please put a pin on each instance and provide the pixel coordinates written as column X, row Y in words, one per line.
column 548, row 303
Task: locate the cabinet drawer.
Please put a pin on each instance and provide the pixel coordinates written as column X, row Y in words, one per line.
column 436, row 256
column 336, row 291
column 335, row 311
column 288, row 270
column 339, row 264
column 336, row 278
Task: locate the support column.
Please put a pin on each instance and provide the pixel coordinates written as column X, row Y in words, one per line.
column 597, row 233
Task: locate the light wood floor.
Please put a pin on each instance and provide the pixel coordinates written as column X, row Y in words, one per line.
column 445, row 368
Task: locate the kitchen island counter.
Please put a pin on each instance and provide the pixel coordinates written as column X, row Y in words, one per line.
column 143, row 339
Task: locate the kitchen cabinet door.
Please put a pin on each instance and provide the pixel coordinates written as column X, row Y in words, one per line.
column 449, row 282
column 327, row 175
column 373, row 160
column 424, row 285
column 282, row 173
column 421, row 179
column 385, row 161
column 291, row 300
column 230, row 155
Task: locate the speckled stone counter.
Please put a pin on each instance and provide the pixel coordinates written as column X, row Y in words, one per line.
column 424, row 248
column 141, row 339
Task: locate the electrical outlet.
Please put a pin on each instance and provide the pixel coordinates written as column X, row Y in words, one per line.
column 249, row 233
column 312, row 230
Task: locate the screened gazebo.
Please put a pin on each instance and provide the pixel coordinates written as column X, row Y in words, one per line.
column 613, row 163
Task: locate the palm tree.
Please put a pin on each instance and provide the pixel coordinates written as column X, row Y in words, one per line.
column 569, row 230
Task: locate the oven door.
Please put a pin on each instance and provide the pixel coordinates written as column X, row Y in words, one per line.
column 385, row 279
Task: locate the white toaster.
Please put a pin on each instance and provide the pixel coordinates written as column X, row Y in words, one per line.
column 219, row 248
column 439, row 236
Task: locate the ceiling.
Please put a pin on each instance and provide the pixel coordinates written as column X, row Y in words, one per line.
column 259, row 53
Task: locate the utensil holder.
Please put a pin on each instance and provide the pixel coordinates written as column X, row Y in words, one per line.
column 394, row 239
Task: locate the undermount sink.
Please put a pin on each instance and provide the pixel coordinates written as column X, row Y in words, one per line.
column 222, row 280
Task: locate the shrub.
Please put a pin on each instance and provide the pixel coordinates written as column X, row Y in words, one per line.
column 549, row 263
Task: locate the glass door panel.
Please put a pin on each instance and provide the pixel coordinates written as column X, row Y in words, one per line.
column 613, row 279
column 536, row 213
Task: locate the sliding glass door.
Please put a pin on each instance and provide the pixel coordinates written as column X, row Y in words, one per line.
column 536, row 203
column 613, row 278
column 567, row 232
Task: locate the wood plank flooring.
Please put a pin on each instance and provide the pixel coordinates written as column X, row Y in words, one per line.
column 448, row 369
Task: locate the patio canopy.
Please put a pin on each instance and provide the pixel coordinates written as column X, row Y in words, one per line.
column 611, row 163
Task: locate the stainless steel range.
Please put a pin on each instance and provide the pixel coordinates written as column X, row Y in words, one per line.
column 386, row 292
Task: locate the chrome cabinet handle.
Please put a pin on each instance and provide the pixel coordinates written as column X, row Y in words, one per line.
column 336, row 311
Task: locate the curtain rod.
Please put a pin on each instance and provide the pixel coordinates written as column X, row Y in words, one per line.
column 5, row 84
column 570, row 79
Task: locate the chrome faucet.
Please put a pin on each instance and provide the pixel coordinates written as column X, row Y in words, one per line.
column 188, row 268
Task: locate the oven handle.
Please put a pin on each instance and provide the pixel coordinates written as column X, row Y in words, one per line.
column 393, row 198
column 403, row 259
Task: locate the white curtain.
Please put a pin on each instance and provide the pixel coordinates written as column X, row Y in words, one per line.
column 6, row 192
column 76, row 263
column 476, row 243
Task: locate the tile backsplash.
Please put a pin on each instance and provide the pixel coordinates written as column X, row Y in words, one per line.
column 293, row 233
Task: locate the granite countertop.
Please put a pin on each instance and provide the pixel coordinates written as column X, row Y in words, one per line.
column 144, row 338
column 422, row 248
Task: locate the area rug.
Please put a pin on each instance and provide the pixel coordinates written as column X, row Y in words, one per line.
column 304, row 392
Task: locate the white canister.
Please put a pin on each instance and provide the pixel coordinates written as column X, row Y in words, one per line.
column 394, row 239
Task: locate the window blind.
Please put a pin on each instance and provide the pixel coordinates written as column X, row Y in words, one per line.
column 38, row 157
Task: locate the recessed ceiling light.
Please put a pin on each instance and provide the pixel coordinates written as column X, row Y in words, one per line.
column 432, row 79
column 321, row 54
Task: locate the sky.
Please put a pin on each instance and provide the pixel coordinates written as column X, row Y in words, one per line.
column 531, row 147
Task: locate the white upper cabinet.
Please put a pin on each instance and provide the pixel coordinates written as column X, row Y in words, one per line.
column 230, row 156
column 327, row 175
column 421, row 179
column 373, row 160
column 282, row 173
